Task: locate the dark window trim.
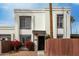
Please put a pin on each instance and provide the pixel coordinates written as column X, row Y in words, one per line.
column 59, row 35
column 24, row 22
column 58, row 26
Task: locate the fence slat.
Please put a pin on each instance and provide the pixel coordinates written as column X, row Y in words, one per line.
column 62, row 47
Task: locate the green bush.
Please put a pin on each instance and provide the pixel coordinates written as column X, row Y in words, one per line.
column 48, row 36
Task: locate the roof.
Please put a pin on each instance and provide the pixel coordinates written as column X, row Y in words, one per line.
column 45, row 9
column 6, row 28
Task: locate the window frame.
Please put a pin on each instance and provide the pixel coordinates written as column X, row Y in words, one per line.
column 58, row 20
column 24, row 25
column 59, row 35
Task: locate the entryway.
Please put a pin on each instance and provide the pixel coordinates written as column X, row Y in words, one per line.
column 41, row 42
column 24, row 38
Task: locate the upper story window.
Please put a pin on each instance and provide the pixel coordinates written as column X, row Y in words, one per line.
column 60, row 20
column 25, row 22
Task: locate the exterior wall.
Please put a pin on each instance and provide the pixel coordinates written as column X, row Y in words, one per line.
column 39, row 25
column 7, row 30
column 54, row 24
column 38, row 22
column 66, row 23
column 60, row 31
column 19, row 31
column 41, row 21
column 47, row 22
column 16, row 27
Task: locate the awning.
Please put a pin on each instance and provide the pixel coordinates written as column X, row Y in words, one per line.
column 39, row 33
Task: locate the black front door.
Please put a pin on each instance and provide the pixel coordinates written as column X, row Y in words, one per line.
column 41, row 41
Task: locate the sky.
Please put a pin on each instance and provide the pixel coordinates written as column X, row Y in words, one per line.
column 7, row 12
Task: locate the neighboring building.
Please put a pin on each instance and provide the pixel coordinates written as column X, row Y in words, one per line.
column 7, row 33
column 29, row 22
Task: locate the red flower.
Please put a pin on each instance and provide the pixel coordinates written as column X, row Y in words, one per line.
column 28, row 44
column 15, row 43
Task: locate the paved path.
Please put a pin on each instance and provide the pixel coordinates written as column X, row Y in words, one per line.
column 20, row 53
column 40, row 53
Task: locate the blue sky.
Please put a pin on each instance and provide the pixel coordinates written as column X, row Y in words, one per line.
column 7, row 13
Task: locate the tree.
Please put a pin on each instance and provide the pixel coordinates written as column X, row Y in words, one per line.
column 71, row 21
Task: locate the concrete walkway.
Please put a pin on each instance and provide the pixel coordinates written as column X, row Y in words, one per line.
column 40, row 53
column 20, row 53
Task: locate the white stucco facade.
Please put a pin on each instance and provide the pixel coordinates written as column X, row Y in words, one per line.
column 40, row 21
column 6, row 30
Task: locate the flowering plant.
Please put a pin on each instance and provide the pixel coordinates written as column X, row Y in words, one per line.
column 29, row 45
column 15, row 44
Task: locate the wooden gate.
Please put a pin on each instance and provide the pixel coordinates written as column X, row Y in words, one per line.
column 62, row 47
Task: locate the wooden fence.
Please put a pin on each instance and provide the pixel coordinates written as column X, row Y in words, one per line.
column 62, row 47
column 4, row 46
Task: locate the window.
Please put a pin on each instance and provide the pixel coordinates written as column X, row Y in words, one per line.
column 5, row 36
column 25, row 22
column 60, row 21
column 24, row 38
column 59, row 35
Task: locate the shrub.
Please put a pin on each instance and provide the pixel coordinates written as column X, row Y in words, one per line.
column 48, row 36
column 15, row 44
column 30, row 45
